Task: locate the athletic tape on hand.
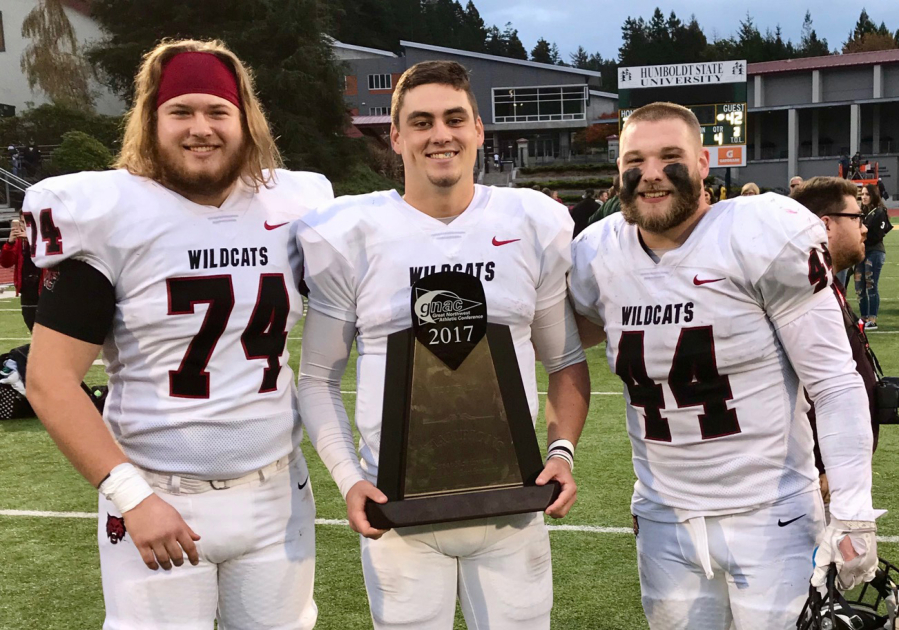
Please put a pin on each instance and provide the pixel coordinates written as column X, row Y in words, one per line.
column 125, row 487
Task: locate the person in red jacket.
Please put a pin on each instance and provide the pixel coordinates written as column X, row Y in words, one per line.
column 27, row 278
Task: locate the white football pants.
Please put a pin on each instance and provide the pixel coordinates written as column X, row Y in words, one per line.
column 500, row 568
column 760, row 564
column 257, row 560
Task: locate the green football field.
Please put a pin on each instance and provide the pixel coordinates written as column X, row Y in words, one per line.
column 49, row 567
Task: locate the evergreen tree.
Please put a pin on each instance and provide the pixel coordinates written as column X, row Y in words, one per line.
column 810, row 45
column 580, row 58
column 369, row 23
column 475, row 33
column 542, row 52
column 299, row 82
column 514, row 48
column 689, row 42
column 867, row 37
column 634, row 46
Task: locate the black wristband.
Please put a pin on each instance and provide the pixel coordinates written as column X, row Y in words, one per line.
column 78, row 301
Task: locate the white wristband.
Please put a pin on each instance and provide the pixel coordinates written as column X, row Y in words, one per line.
column 125, row 487
column 562, row 449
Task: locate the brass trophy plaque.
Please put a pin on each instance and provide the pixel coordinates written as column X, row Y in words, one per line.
column 457, row 440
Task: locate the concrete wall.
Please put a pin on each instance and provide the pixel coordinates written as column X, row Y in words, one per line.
column 14, row 88
column 792, row 88
column 891, row 80
column 847, row 84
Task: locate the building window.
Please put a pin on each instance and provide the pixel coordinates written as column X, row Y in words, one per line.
column 379, row 111
column 561, row 102
column 2, row 38
column 380, row 82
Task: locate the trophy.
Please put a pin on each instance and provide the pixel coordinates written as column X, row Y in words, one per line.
column 457, row 439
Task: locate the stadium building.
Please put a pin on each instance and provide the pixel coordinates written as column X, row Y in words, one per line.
column 518, row 100
column 805, row 113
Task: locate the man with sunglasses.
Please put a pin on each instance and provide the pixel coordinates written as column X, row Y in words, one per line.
column 833, row 200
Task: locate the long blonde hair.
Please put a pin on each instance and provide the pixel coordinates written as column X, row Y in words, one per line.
column 139, row 143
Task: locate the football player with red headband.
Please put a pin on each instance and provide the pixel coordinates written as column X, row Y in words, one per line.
column 179, row 264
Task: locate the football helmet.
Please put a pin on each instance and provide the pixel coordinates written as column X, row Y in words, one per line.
column 874, row 606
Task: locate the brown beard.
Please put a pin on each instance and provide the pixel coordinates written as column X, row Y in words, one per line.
column 204, row 185
column 684, row 200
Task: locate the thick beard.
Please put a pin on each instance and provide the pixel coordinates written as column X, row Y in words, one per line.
column 203, row 185
column 684, row 203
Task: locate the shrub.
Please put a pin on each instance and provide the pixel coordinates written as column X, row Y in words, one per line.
column 567, row 184
column 79, row 152
column 361, row 179
column 47, row 124
column 561, row 167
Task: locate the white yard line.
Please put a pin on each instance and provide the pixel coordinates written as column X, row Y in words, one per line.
column 586, row 529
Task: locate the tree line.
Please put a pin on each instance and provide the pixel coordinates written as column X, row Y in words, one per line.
column 301, row 83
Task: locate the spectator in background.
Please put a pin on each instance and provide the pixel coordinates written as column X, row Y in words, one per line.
column 795, row 182
column 884, row 195
column 603, row 197
column 611, row 206
column 845, row 163
column 32, row 159
column 555, row 196
column 11, row 156
column 27, row 278
column 708, row 195
column 547, row 192
column 722, row 193
column 749, row 189
column 583, row 210
column 867, row 273
column 832, row 199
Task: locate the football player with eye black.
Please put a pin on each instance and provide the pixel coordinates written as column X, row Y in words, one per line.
column 181, row 265
column 716, row 317
column 362, row 256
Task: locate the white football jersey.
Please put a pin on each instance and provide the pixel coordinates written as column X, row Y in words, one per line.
column 715, row 411
column 363, row 253
column 198, row 377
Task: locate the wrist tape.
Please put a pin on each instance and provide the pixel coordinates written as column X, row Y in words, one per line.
column 125, row 487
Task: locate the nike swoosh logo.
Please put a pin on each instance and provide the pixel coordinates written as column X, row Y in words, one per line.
column 275, row 227
column 498, row 243
column 305, row 483
column 699, row 282
column 781, row 523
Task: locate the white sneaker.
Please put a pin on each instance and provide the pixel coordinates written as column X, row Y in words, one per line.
column 870, row 325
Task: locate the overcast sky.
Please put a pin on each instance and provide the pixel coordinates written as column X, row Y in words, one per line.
column 596, row 24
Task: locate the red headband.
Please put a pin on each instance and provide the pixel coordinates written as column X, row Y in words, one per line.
column 197, row 73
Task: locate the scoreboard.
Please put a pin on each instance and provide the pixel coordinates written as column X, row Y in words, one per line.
column 714, row 91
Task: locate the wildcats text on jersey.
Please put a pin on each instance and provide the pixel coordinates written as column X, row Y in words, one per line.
column 658, row 314
column 472, row 269
column 213, row 258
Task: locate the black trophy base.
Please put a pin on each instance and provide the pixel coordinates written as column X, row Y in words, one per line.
column 461, row 507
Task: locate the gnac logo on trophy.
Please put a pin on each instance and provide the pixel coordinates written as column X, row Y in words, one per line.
column 457, row 438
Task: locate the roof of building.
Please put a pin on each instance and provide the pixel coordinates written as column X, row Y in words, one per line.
column 519, row 62
column 374, row 51
column 371, row 120
column 827, row 61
